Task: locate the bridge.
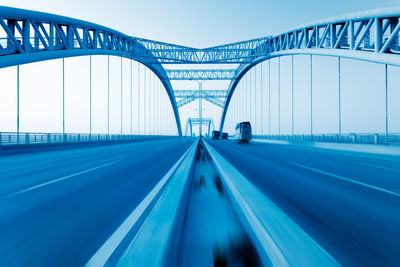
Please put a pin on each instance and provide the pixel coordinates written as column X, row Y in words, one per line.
column 107, row 177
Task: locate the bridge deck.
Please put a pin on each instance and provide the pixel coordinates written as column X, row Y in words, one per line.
column 60, row 207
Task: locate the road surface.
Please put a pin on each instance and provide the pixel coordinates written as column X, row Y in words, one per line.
column 58, row 207
column 348, row 202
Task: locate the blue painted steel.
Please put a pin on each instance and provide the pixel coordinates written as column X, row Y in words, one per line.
column 35, row 36
column 201, row 75
column 56, row 36
column 197, row 121
column 211, row 96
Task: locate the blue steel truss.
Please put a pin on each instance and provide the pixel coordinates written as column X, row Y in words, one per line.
column 201, row 75
column 212, row 100
column 28, row 36
column 211, row 96
column 204, row 93
column 195, row 121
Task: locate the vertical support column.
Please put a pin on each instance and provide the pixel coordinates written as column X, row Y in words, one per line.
column 262, row 98
column 138, row 100
column 144, row 101
column 150, row 110
column 292, row 98
column 108, row 95
column 250, row 98
column 378, row 34
column 63, row 98
column 279, row 95
column 311, row 96
column 90, row 97
column 340, row 102
column 240, row 100
column 17, row 104
column 351, row 34
column 243, row 93
column 255, row 100
column 247, row 94
column 386, row 106
column 131, row 101
column 158, row 108
column 163, row 115
column 200, row 107
column 121, row 96
column 269, row 97
column 153, row 101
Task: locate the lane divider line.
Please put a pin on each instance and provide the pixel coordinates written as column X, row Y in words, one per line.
column 278, row 239
column 377, row 166
column 63, row 178
column 102, row 255
column 157, row 241
column 343, row 178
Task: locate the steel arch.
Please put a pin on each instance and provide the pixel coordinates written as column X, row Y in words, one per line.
column 60, row 37
column 34, row 36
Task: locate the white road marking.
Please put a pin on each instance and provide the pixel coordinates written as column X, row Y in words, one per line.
column 63, row 178
column 343, row 178
column 102, row 255
column 277, row 238
column 378, row 166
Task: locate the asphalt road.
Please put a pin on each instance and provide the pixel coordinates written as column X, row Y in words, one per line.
column 58, row 207
column 349, row 202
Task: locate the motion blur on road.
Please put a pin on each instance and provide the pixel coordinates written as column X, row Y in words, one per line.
column 349, row 202
column 59, row 207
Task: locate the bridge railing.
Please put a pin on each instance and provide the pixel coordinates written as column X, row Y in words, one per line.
column 361, row 138
column 11, row 138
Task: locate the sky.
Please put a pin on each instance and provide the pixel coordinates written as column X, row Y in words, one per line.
column 197, row 24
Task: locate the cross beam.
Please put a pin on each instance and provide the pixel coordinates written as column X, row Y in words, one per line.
column 211, row 96
column 196, row 93
column 201, row 75
column 196, row 121
column 211, row 100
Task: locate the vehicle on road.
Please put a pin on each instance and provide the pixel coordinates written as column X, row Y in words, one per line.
column 224, row 136
column 215, row 134
column 243, row 132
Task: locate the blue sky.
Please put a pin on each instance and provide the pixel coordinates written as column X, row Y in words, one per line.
column 200, row 24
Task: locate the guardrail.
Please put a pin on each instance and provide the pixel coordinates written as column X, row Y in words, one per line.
column 361, row 138
column 278, row 239
column 151, row 234
column 12, row 138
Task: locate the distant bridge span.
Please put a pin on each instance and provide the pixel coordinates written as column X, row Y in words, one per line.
column 35, row 36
